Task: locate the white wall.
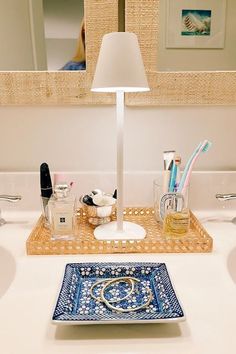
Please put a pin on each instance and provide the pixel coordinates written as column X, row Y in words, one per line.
column 21, row 35
column 59, row 52
column 15, row 26
column 63, row 18
column 83, row 138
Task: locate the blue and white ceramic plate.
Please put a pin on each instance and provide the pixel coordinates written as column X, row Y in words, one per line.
column 75, row 305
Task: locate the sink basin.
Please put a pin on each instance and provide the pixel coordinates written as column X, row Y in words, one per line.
column 7, row 270
column 231, row 264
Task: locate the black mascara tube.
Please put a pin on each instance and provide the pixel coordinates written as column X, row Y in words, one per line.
column 46, row 189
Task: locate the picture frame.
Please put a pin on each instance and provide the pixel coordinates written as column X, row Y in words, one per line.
column 65, row 87
column 192, row 24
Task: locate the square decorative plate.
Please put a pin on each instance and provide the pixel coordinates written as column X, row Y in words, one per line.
column 150, row 298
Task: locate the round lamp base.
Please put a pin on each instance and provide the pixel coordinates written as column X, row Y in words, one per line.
column 131, row 231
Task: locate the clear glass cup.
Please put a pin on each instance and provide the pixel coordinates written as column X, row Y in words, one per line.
column 171, row 210
column 157, row 194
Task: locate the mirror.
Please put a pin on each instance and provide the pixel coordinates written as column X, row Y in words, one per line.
column 197, row 35
column 197, row 86
column 42, row 35
column 59, row 87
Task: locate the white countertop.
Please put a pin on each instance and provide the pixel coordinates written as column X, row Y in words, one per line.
column 202, row 282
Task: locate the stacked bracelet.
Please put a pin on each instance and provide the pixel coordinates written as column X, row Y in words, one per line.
column 109, row 281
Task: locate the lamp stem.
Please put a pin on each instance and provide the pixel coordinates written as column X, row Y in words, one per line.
column 119, row 165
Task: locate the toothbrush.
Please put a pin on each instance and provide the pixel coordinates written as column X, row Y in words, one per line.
column 202, row 147
column 177, row 180
column 174, row 171
column 181, row 183
column 168, row 162
column 172, row 177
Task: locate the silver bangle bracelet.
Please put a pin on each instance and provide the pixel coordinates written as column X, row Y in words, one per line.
column 109, row 281
column 118, row 309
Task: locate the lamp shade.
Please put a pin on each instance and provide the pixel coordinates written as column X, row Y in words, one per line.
column 120, row 65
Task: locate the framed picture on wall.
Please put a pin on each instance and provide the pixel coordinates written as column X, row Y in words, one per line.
column 195, row 24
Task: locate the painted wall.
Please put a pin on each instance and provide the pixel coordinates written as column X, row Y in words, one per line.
column 59, row 52
column 22, row 36
column 198, row 59
column 62, row 18
column 84, row 138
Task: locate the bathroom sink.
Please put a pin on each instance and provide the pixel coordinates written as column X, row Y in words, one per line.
column 7, row 270
column 231, row 264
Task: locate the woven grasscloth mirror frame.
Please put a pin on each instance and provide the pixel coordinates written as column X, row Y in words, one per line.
column 65, row 87
column 172, row 88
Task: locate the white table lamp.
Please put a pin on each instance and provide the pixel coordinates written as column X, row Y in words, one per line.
column 120, row 69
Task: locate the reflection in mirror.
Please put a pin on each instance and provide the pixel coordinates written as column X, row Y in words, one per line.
column 42, row 35
column 64, row 34
column 197, row 35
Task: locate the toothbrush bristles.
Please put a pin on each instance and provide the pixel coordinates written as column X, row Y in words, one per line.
column 207, row 146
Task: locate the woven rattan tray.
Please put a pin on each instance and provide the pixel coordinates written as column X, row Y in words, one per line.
column 197, row 240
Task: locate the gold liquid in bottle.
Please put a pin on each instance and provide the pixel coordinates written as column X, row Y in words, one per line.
column 176, row 223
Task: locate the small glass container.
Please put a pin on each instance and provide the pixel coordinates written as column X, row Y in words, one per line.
column 172, row 211
column 61, row 211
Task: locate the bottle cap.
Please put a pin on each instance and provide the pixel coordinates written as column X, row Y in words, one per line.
column 61, row 190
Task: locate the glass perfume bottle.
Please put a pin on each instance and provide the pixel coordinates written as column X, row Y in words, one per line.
column 176, row 221
column 61, row 209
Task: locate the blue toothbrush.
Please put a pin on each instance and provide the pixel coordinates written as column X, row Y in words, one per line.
column 173, row 175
